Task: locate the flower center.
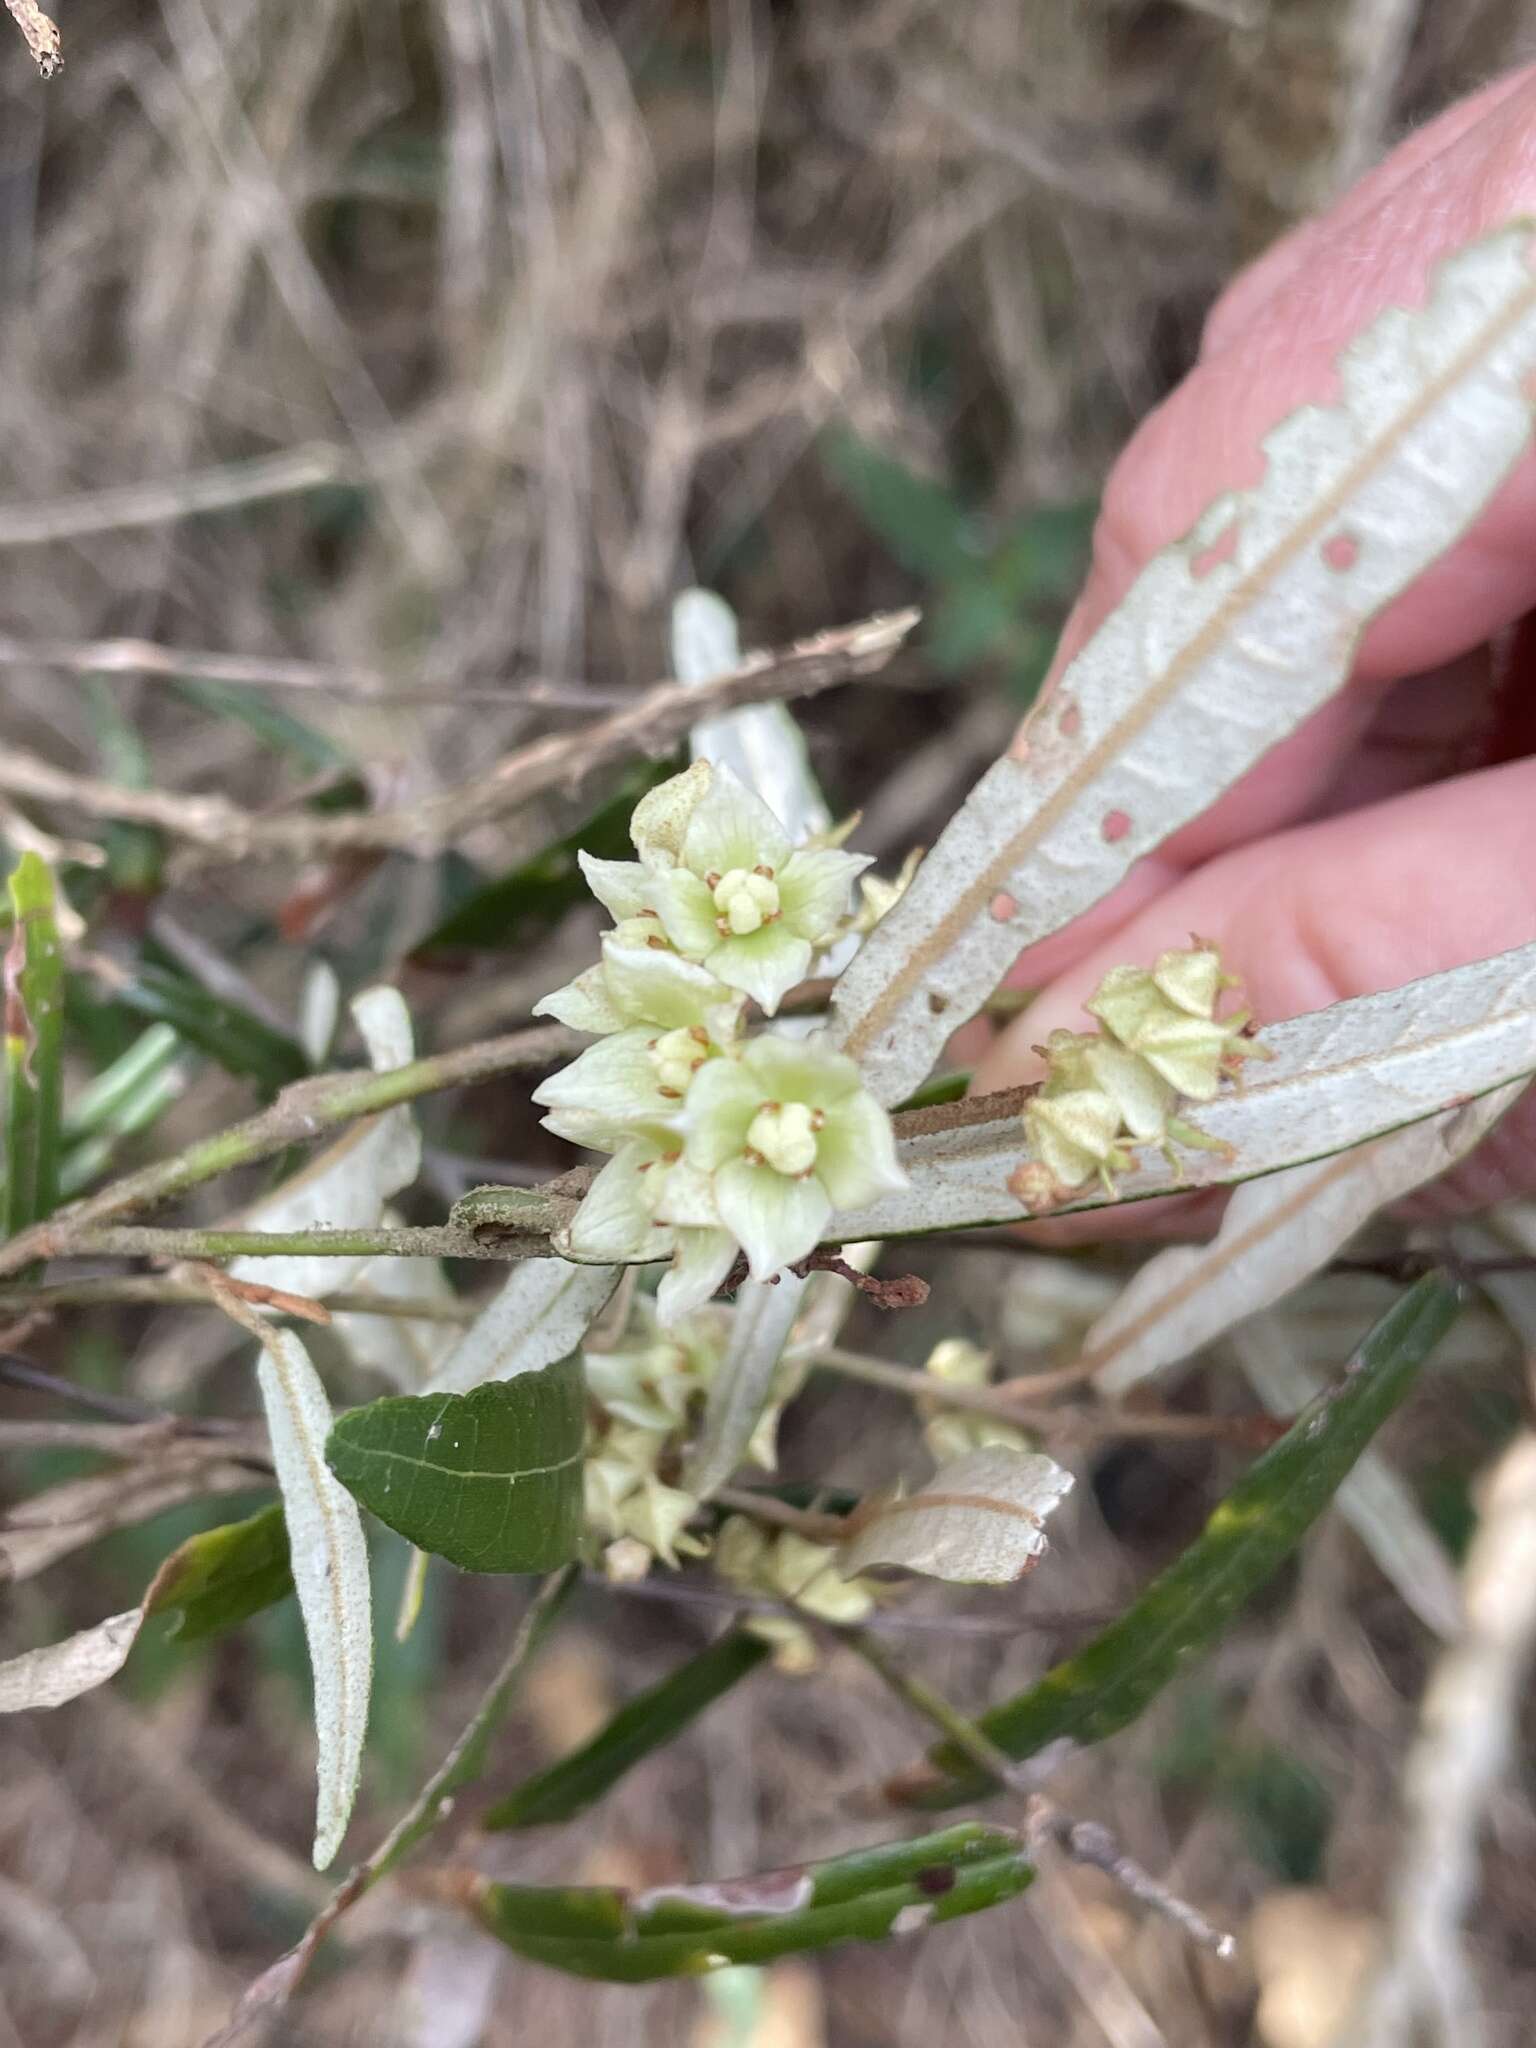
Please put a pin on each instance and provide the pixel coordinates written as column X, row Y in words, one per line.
column 746, row 900
column 676, row 1056
column 783, row 1135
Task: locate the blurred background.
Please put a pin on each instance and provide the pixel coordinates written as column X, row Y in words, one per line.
column 387, row 369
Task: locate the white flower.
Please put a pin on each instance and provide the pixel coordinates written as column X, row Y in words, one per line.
column 786, row 1133
column 738, row 899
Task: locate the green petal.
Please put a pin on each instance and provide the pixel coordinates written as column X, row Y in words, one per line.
column 652, row 985
column 1141, row 1095
column 720, row 1103
column 613, row 1222
column 775, row 1220
column 619, row 885
column 815, row 888
column 687, row 911
column 856, row 1154
column 765, row 964
column 613, row 1079
column 584, row 1004
column 732, row 828
column 701, row 1262
column 800, row 1069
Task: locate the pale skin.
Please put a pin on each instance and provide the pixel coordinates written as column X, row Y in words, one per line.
column 1395, row 834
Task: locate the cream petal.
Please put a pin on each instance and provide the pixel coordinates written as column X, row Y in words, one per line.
column 700, row 1263
column 687, row 911
column 774, row 1220
column 653, row 985
column 613, row 1221
column 732, row 828
column 765, row 965
column 584, row 1004
column 619, row 885
column 815, row 888
column 719, row 1105
column 801, row 1069
column 660, row 819
column 856, row 1154
column 613, row 1080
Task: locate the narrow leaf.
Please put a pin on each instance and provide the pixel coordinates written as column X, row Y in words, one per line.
column 1218, row 652
column 491, row 1479
column 1338, row 1077
column 329, row 1559
column 34, row 1025
column 760, row 1328
column 1110, row 1682
column 689, row 1930
column 1275, row 1234
column 349, row 1183
column 640, row 1727
column 980, row 1520
column 62, row 1671
column 539, row 1316
column 240, row 1042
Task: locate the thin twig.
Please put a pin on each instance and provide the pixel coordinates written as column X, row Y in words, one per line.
column 1083, row 1841
column 428, row 1241
column 232, row 484
column 433, row 1804
column 654, row 724
column 41, row 36
column 148, row 659
column 163, row 1290
column 1077, row 1425
column 302, row 1111
column 766, row 1507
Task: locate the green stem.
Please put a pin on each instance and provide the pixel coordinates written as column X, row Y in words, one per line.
column 439, row 1241
column 305, row 1110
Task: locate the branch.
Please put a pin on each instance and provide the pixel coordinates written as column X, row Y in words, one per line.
column 654, row 724
column 306, row 468
column 302, row 1111
column 41, row 36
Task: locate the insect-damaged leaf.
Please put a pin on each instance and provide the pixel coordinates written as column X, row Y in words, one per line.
column 1106, row 1685
column 1225, row 644
column 490, row 1479
column 687, row 1930
column 978, row 1521
column 641, row 1726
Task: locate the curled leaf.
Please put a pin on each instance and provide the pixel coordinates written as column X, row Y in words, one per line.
column 980, row 1520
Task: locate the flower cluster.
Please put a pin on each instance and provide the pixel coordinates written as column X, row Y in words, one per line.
column 720, row 1142
column 951, row 1432
column 1104, row 1092
column 786, row 1566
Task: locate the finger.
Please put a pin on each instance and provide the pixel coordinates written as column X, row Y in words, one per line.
column 1206, row 438
column 1361, row 902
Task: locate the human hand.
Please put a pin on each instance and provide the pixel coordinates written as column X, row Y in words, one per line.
column 1395, row 834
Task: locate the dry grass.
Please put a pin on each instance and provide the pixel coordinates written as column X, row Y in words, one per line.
column 432, row 349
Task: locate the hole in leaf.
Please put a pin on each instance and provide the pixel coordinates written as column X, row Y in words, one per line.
column 1221, row 549
column 1004, row 907
column 937, row 1004
column 1341, row 552
column 1115, row 826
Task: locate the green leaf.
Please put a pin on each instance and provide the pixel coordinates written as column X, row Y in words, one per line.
column 241, row 1043
column 34, row 1027
column 282, row 732
column 1110, row 1682
column 224, row 1576
column 516, row 908
column 922, row 522
column 687, row 1930
column 491, row 1479
column 643, row 1724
